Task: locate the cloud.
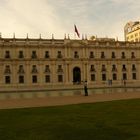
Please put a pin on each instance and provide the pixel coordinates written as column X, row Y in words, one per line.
column 102, row 17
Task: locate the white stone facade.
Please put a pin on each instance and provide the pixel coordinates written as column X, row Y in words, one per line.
column 43, row 63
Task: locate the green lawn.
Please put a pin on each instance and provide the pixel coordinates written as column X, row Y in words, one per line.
column 116, row 120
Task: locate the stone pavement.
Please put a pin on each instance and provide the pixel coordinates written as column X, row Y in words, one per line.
column 65, row 100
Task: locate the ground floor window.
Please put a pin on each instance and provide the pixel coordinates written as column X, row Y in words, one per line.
column 47, row 78
column 21, row 79
column 134, row 76
column 60, row 78
column 114, row 76
column 124, row 76
column 7, row 79
column 34, row 79
column 93, row 77
column 103, row 77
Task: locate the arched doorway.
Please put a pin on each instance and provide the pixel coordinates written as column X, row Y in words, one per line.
column 76, row 75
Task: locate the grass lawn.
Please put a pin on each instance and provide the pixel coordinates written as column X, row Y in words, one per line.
column 116, row 120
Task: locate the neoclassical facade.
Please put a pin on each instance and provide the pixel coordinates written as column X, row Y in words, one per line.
column 49, row 63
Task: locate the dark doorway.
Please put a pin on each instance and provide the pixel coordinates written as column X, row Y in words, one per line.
column 76, row 75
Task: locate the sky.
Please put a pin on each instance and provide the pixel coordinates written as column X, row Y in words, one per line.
column 101, row 18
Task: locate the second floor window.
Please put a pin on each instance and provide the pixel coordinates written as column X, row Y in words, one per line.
column 47, row 68
column 47, row 54
column 133, row 67
column 123, row 68
column 34, row 55
column 59, row 68
column 132, row 55
column 7, row 54
column 34, row 69
column 20, row 54
column 21, row 69
column 91, row 55
column 114, row 68
column 59, row 55
column 102, row 55
column 76, row 54
column 113, row 55
column 92, row 69
column 123, row 55
column 7, row 69
column 103, row 68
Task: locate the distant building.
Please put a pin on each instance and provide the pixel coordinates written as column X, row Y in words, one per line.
column 132, row 31
column 36, row 64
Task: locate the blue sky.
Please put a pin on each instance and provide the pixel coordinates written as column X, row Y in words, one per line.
column 104, row 18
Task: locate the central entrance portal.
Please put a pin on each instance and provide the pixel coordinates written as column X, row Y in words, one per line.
column 76, row 75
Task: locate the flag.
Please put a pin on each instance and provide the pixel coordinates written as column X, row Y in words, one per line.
column 76, row 30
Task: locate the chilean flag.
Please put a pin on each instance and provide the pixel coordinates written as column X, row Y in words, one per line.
column 76, row 30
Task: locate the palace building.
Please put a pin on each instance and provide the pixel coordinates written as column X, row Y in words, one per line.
column 48, row 63
column 132, row 31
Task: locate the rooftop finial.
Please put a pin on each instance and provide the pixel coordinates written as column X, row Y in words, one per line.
column 85, row 36
column 82, row 37
column 116, row 38
column 52, row 36
column 27, row 36
column 14, row 35
column 68, row 36
column 0, row 35
column 39, row 36
column 65, row 36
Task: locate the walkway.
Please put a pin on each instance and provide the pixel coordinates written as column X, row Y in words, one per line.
column 65, row 100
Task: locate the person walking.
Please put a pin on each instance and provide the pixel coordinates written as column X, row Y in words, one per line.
column 85, row 88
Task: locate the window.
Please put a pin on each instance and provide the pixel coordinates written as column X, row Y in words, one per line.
column 47, row 78
column 114, row 76
column 21, row 79
column 102, row 55
column 123, row 55
column 7, row 79
column 76, row 54
column 91, row 55
column 133, row 67
column 7, row 69
column 134, row 76
column 21, row 54
column 114, row 68
column 103, row 77
column 34, row 55
column 92, row 68
column 34, row 79
column 59, row 68
column 93, row 77
column 47, row 54
column 60, row 78
column 59, row 55
column 103, row 68
column 113, row 55
column 124, row 76
column 21, row 69
column 123, row 68
column 47, row 68
column 34, row 69
column 132, row 55
column 7, row 54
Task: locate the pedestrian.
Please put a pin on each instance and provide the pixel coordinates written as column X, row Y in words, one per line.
column 85, row 88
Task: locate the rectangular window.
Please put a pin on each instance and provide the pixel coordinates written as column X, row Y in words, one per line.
column 60, row 78
column 21, row 79
column 34, row 79
column 34, row 55
column 93, row 77
column 7, row 54
column 47, row 78
column 114, row 76
column 47, row 54
column 124, row 76
column 7, row 79
column 134, row 76
column 103, row 77
column 21, row 54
